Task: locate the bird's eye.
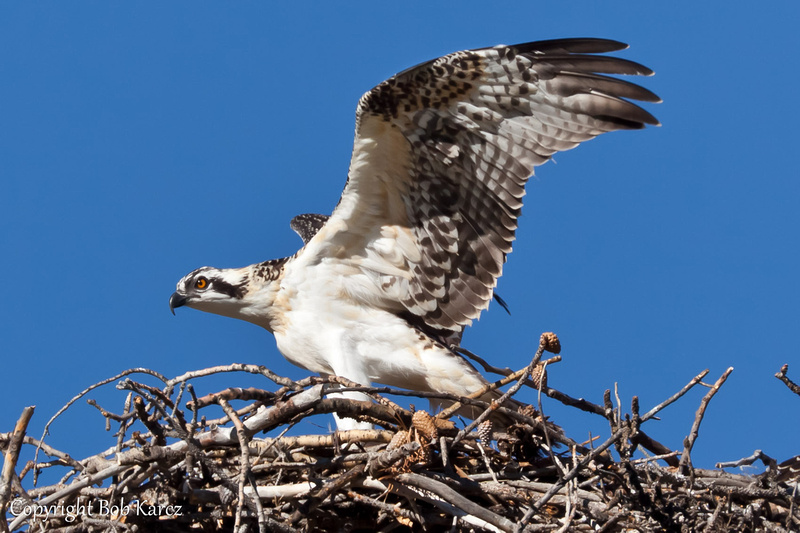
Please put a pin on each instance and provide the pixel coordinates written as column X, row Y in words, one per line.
column 201, row 283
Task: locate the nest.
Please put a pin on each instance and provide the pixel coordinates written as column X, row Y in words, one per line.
column 172, row 469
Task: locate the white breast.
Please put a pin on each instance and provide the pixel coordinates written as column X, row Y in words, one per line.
column 324, row 329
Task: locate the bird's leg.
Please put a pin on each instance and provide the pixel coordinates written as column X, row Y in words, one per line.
column 345, row 424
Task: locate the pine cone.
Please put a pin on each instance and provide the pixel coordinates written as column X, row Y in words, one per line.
column 425, row 454
column 425, row 425
column 485, row 432
column 551, row 342
column 400, row 438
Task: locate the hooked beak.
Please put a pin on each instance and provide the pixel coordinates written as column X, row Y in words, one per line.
column 176, row 300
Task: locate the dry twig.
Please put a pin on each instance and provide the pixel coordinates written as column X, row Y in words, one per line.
column 688, row 443
column 781, row 375
column 172, row 468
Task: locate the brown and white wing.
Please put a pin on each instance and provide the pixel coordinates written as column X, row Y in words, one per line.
column 441, row 156
column 307, row 225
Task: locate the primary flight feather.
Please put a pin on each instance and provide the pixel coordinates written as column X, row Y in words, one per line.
column 412, row 252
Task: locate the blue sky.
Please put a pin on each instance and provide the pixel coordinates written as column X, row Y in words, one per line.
column 138, row 142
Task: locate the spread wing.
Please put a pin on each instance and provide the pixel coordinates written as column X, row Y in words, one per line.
column 307, row 225
column 441, row 156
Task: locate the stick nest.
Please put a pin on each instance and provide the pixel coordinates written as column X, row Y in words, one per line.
column 174, row 468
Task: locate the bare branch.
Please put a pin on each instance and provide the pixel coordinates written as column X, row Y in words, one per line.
column 686, row 460
column 11, row 457
column 781, row 375
column 672, row 399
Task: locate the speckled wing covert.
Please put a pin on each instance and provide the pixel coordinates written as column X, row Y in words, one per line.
column 441, row 156
column 307, row 225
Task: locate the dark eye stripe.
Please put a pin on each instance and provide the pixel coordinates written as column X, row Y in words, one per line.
column 223, row 287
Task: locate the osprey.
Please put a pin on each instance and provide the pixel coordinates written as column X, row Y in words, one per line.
column 411, row 254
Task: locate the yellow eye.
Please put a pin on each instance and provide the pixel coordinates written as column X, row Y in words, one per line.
column 201, row 283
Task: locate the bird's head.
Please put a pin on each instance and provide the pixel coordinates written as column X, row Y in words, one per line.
column 246, row 293
column 213, row 290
